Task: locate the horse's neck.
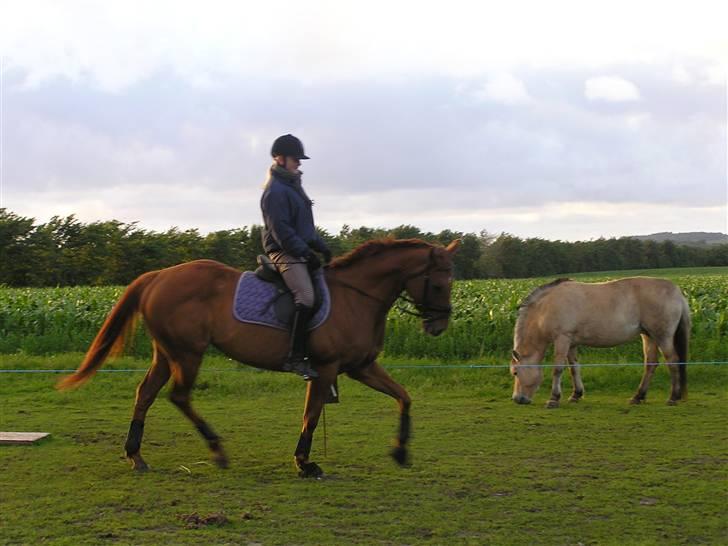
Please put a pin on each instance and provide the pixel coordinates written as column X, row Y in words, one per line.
column 381, row 276
column 525, row 338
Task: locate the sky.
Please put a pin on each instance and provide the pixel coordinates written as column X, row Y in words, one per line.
column 560, row 119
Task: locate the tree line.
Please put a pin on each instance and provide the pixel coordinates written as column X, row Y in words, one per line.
column 65, row 251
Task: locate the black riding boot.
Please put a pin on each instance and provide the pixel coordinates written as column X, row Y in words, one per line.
column 297, row 361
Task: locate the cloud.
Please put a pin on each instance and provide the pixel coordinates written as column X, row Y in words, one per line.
column 611, row 88
column 503, row 88
column 115, row 45
column 170, row 123
column 552, row 220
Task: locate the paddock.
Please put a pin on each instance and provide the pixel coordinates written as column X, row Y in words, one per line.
column 483, row 469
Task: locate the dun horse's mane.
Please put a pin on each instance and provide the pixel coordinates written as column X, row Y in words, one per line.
column 374, row 247
column 535, row 295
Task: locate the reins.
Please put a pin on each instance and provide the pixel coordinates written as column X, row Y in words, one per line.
column 424, row 310
column 357, row 289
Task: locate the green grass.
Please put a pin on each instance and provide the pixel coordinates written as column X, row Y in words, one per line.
column 485, row 471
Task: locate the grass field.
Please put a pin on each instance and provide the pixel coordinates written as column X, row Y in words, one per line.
column 485, row 471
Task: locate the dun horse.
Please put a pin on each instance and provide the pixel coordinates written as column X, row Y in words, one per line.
column 568, row 314
column 188, row 307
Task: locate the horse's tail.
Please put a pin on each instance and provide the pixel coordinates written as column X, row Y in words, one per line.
column 681, row 341
column 118, row 327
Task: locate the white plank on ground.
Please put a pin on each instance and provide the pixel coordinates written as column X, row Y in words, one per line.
column 21, row 437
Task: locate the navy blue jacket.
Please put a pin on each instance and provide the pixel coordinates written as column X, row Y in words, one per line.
column 288, row 219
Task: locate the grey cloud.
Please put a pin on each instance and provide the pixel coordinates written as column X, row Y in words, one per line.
column 372, row 137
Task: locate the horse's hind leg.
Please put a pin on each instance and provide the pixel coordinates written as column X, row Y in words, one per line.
column 562, row 345
column 649, row 347
column 146, row 393
column 185, row 369
column 575, row 371
column 667, row 347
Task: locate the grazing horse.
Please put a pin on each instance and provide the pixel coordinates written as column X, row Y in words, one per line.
column 188, row 307
column 569, row 313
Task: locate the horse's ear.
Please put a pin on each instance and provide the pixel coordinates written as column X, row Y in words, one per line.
column 516, row 356
column 452, row 248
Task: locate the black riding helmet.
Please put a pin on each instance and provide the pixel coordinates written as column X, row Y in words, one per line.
column 288, row 145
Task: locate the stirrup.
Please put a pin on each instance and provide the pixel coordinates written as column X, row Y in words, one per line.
column 301, row 366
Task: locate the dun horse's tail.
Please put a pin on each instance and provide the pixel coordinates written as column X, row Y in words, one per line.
column 682, row 341
column 112, row 337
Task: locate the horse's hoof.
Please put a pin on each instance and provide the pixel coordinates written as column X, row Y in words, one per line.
column 635, row 401
column 139, row 465
column 573, row 399
column 672, row 402
column 552, row 404
column 310, row 470
column 400, row 455
column 221, row 461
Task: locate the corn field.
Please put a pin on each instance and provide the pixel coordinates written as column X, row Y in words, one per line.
column 55, row 320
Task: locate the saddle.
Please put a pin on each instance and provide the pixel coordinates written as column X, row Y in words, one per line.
column 283, row 301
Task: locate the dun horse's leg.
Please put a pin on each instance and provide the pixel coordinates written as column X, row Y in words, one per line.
column 575, row 371
column 146, row 393
column 671, row 360
column 649, row 348
column 377, row 378
column 561, row 351
column 316, row 393
column 185, row 372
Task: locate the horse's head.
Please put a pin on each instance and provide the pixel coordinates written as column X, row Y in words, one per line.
column 527, row 376
column 429, row 288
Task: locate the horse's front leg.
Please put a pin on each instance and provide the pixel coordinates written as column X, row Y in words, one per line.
column 562, row 344
column 649, row 348
column 316, row 392
column 576, row 381
column 377, row 378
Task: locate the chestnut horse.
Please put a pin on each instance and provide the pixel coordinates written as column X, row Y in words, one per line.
column 188, row 307
column 569, row 313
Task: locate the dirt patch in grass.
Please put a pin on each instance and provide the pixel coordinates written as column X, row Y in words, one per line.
column 196, row 521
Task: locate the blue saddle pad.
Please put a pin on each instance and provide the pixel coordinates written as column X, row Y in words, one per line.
column 255, row 300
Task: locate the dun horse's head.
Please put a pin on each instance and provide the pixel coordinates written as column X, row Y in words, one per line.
column 527, row 376
column 429, row 289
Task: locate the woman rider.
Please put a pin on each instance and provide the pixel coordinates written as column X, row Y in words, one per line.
column 290, row 239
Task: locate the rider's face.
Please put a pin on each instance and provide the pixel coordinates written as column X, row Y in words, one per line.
column 292, row 164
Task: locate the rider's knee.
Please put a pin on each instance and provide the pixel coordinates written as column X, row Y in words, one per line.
column 305, row 299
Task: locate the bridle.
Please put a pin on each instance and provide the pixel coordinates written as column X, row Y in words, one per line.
column 425, row 310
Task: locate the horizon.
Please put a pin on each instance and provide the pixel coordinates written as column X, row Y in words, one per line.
column 337, row 232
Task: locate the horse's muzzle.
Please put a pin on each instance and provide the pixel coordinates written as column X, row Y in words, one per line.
column 435, row 327
column 521, row 399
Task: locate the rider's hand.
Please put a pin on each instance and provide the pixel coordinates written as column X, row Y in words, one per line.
column 313, row 261
column 327, row 255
